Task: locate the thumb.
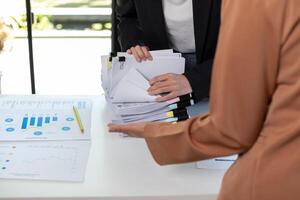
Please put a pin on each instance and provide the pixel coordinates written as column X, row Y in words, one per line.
column 129, row 51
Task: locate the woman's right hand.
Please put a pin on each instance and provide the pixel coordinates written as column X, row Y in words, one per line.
column 140, row 53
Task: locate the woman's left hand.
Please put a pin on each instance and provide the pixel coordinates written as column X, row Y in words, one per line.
column 134, row 130
column 174, row 84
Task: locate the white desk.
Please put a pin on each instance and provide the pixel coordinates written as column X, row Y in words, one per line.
column 121, row 168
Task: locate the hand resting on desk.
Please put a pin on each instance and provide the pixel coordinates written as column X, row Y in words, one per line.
column 134, row 129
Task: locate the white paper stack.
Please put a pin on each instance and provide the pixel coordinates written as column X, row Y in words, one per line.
column 126, row 81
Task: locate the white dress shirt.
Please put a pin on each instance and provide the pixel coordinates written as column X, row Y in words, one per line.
column 180, row 24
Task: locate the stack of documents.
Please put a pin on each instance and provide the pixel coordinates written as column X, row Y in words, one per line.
column 126, row 81
column 44, row 138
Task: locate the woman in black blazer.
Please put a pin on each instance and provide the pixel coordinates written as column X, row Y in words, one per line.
column 142, row 27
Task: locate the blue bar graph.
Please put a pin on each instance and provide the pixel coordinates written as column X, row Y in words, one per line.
column 24, row 123
column 32, row 121
column 37, row 121
column 47, row 120
column 40, row 122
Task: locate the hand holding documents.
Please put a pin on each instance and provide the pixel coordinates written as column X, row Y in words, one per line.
column 44, row 138
column 126, row 81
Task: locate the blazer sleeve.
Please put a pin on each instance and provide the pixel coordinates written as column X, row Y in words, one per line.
column 129, row 30
column 200, row 79
column 244, row 78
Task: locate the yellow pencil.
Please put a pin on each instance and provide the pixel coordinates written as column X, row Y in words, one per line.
column 79, row 122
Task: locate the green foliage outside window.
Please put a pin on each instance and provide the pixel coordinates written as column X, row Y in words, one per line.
column 45, row 22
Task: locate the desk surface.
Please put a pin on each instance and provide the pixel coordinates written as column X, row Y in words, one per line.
column 121, row 168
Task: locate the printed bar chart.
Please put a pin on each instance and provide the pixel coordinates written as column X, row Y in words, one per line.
column 43, row 119
column 37, row 121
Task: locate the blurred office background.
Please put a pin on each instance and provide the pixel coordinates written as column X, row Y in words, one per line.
column 69, row 37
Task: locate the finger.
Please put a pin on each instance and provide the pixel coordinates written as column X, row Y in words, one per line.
column 129, row 51
column 140, row 52
column 121, row 128
column 147, row 53
column 115, row 128
column 135, row 54
column 161, row 90
column 159, row 78
column 134, row 130
column 170, row 96
column 160, row 84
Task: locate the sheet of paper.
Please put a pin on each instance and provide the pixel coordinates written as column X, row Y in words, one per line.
column 104, row 72
column 116, row 73
column 43, row 118
column 57, row 161
column 153, row 54
column 152, row 118
column 132, row 88
column 217, row 163
column 164, row 52
column 138, row 108
column 157, row 66
column 136, row 78
column 128, row 92
column 158, row 114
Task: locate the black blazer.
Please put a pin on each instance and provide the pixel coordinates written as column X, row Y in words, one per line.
column 142, row 22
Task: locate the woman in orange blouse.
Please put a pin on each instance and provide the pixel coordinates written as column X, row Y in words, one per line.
column 254, row 105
